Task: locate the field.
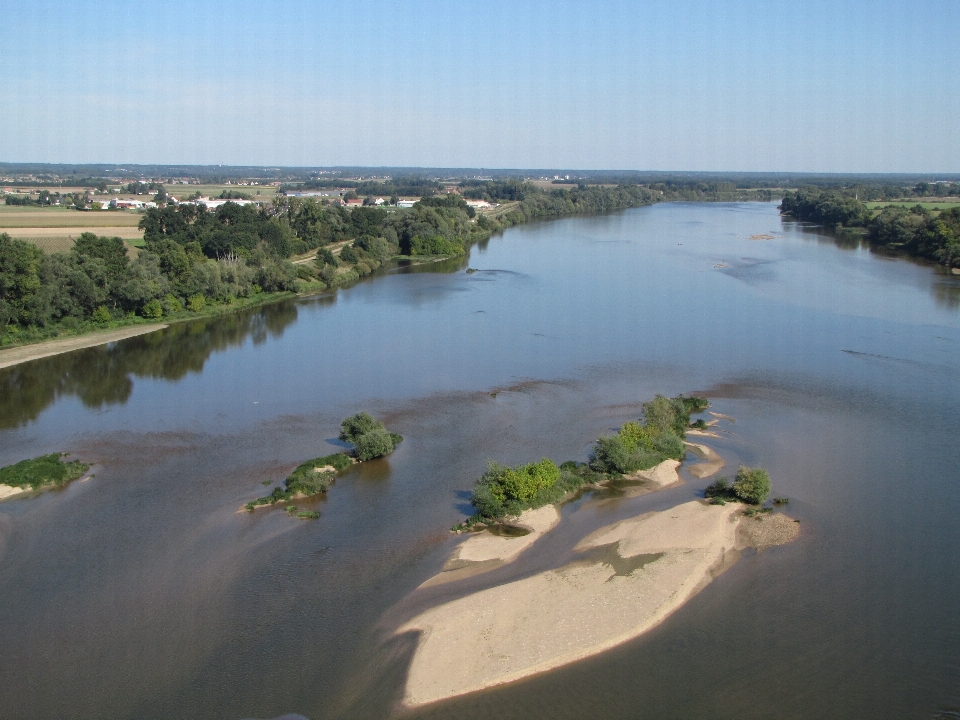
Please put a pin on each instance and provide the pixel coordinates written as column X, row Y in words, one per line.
column 211, row 191
column 944, row 204
column 54, row 217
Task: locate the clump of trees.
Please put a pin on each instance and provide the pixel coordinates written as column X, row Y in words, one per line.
column 916, row 230
column 44, row 471
column 751, row 486
column 369, row 437
column 644, row 443
column 638, row 445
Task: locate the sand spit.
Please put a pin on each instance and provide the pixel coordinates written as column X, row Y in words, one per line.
column 7, row 491
column 721, row 416
column 632, row 576
column 663, row 475
column 766, row 530
column 712, row 462
column 485, row 551
column 17, row 355
column 701, row 433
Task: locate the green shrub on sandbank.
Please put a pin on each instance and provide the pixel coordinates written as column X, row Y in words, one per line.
column 370, row 439
column 751, row 486
column 41, row 472
column 638, row 445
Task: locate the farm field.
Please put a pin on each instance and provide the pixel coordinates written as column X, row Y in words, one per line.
column 61, row 243
column 32, row 217
column 211, row 191
column 944, row 204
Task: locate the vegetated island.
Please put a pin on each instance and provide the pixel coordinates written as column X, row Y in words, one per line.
column 629, row 577
column 44, row 472
column 370, row 440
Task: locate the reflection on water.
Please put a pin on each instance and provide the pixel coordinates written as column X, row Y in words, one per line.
column 102, row 375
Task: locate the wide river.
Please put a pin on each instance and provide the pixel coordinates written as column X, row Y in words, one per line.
column 141, row 593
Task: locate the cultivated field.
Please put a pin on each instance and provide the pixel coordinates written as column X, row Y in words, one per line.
column 211, row 191
column 32, row 217
column 944, row 204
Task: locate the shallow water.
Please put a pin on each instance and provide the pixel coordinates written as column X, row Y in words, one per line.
column 141, row 593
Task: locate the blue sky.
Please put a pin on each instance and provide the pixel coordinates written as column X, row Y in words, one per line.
column 767, row 86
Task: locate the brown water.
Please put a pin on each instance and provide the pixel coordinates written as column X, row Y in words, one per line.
column 142, row 594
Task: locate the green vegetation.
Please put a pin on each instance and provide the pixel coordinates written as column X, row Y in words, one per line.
column 638, row 445
column 310, row 478
column 916, row 231
column 370, row 439
column 41, row 472
column 751, row 486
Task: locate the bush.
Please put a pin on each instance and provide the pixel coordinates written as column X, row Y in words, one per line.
column 434, row 245
column 373, row 444
column 752, row 485
column 324, row 258
column 196, row 303
column 172, row 304
column 369, row 437
column 101, row 315
column 349, row 255
column 152, row 310
column 356, row 425
column 610, row 455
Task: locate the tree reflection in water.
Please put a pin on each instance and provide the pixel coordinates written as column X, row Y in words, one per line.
column 102, row 375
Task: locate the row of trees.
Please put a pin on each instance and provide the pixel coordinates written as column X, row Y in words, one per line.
column 917, row 231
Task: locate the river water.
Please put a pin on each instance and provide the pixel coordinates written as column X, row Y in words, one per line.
column 141, row 593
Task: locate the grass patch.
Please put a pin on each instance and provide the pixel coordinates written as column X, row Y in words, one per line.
column 46, row 470
column 310, row 478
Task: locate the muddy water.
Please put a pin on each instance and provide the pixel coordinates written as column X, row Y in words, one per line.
column 142, row 594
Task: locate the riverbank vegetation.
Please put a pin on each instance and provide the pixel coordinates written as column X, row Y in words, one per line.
column 370, row 440
column 917, row 231
column 638, row 445
column 751, row 486
column 44, row 471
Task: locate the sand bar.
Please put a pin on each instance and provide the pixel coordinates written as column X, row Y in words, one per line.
column 7, row 491
column 633, row 575
column 26, row 353
column 485, row 551
column 712, row 462
column 663, row 475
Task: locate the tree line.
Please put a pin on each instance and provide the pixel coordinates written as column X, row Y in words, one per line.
column 916, row 231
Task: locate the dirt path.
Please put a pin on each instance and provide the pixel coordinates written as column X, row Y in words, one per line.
column 25, row 353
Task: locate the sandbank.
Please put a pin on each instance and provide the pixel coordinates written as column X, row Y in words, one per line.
column 10, row 491
column 632, row 576
column 701, row 433
column 712, row 462
column 663, row 475
column 25, row 353
column 485, row 551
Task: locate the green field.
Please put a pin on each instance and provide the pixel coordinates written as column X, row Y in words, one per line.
column 945, row 204
column 211, row 191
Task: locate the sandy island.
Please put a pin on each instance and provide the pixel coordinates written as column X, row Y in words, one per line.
column 711, row 464
column 25, row 353
column 632, row 575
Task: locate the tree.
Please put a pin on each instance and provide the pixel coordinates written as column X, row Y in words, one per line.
column 356, row 425
column 20, row 264
column 373, row 444
column 752, row 485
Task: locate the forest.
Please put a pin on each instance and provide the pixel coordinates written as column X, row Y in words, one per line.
column 916, row 231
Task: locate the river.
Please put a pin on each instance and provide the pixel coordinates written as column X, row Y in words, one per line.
column 142, row 593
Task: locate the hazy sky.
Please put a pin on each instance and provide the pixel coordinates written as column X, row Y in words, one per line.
column 674, row 85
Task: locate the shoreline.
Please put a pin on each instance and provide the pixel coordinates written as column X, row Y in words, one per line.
column 47, row 348
column 629, row 577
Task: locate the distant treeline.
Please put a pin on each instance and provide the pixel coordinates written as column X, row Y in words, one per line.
column 408, row 186
column 913, row 230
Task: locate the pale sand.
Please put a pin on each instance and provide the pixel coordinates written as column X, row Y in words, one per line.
column 556, row 617
column 701, row 433
column 25, row 353
column 9, row 491
column 721, row 416
column 664, row 474
column 769, row 529
column 485, row 551
column 712, row 462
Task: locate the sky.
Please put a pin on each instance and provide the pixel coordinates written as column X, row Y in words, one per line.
column 729, row 85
